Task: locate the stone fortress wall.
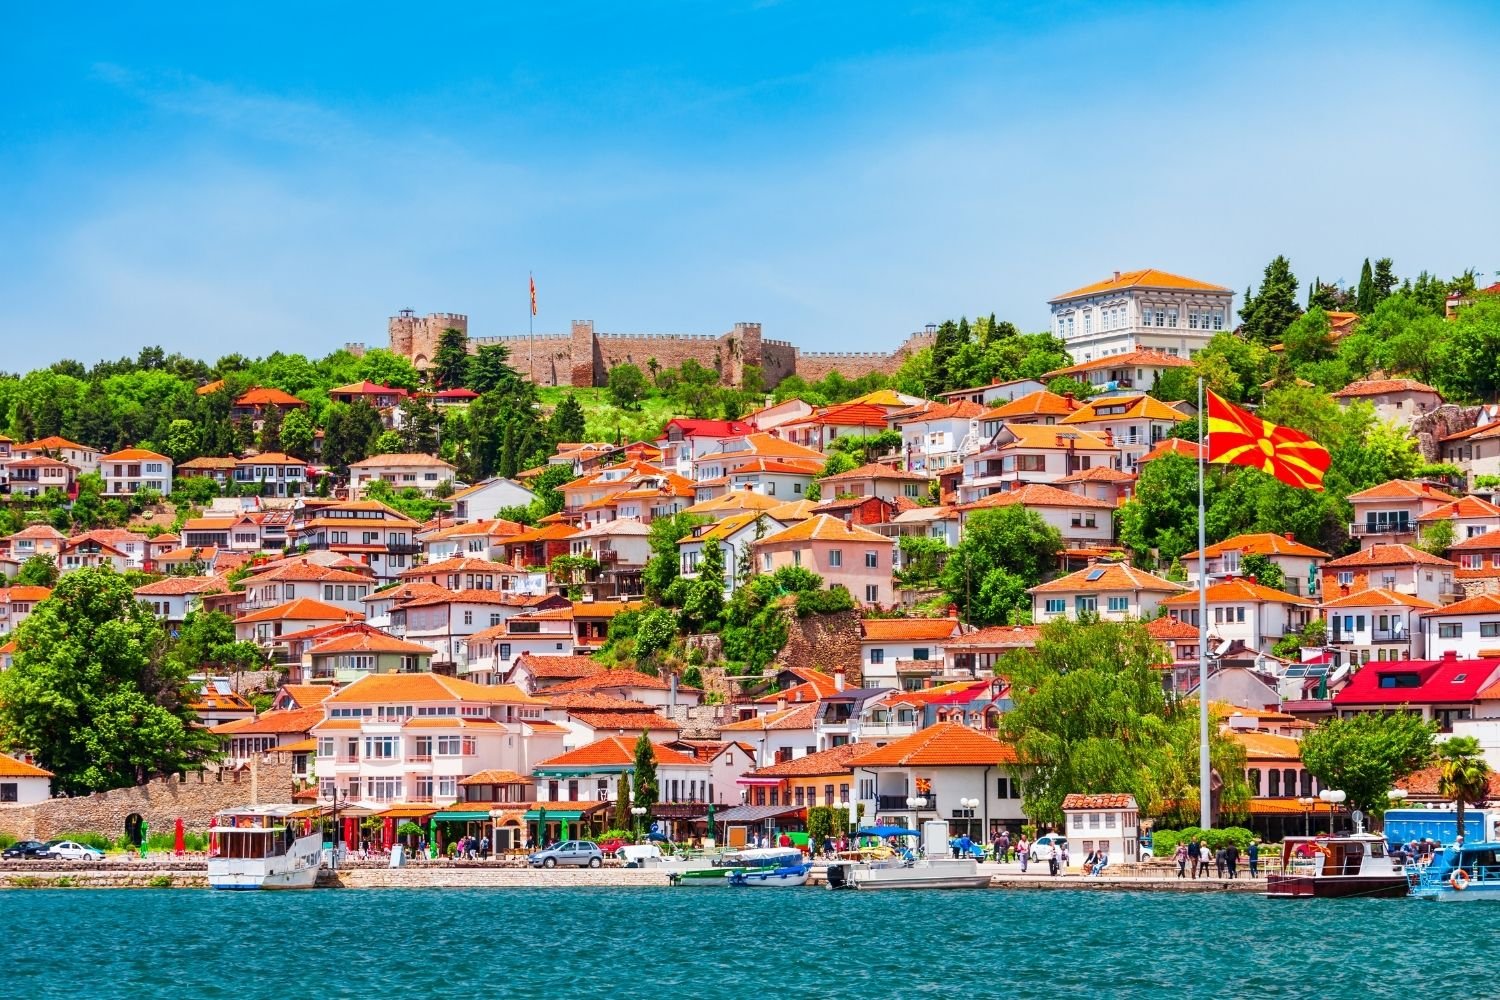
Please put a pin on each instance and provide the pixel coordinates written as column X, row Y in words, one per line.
column 583, row 356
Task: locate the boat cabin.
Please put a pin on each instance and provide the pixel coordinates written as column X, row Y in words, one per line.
column 257, row 832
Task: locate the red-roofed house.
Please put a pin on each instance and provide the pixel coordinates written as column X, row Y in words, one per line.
column 940, row 766
column 1389, row 512
column 1443, row 690
column 935, row 436
column 1033, row 453
column 1135, row 323
column 900, row 652
column 1111, row 591
column 1396, row 400
column 683, row 441
column 1082, row 520
column 253, row 405
column 829, row 423
column 1299, row 564
column 842, row 554
column 1254, row 614
column 1470, row 516
column 1466, row 628
column 1394, row 567
column 1376, row 624
column 134, row 469
column 592, row 774
column 876, row 480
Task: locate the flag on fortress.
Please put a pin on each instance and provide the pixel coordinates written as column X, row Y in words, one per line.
column 1238, row 437
column 533, row 293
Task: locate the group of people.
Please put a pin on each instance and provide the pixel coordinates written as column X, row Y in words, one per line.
column 1096, row 862
column 472, row 848
column 1193, row 858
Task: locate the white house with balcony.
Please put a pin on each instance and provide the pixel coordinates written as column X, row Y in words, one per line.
column 1377, row 624
column 1252, row 613
column 131, row 470
column 1033, row 453
column 937, row 435
column 1147, row 309
column 274, row 474
column 1300, row 564
column 1082, row 521
column 392, row 739
column 1466, row 629
column 1109, row 591
column 402, row 471
column 1390, row 511
column 932, row 773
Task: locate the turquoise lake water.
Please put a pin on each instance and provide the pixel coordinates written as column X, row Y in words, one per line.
column 626, row 943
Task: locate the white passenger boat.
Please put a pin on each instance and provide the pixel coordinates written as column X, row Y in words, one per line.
column 900, row 873
column 780, row 877
column 260, row 847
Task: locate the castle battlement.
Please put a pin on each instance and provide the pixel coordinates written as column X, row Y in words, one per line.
column 584, row 356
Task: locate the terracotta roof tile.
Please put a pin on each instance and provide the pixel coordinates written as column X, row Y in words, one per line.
column 1387, row 555
column 1035, row 404
column 1148, row 277
column 12, row 768
column 301, row 609
column 395, row 688
column 613, row 751
column 1035, row 495
column 821, row 527
column 1378, row 597
column 1106, row 800
column 947, row 744
column 835, row 760
column 1402, row 489
column 1379, row 386
column 1108, row 576
column 1239, row 589
column 1264, row 543
column 798, row 717
column 900, row 629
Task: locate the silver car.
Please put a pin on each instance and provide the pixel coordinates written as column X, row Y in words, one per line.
column 71, row 850
column 578, row 853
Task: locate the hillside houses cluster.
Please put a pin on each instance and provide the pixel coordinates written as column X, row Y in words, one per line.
column 442, row 670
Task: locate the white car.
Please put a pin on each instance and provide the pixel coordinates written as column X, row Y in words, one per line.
column 1048, row 845
column 71, row 850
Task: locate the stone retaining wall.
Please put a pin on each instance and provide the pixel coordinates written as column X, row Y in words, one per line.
column 159, row 802
column 496, row 878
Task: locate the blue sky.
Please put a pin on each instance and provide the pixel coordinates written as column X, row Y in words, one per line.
column 268, row 177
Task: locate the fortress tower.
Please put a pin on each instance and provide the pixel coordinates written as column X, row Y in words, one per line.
column 416, row 337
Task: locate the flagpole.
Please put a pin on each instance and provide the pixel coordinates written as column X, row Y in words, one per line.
column 1205, row 812
column 530, row 324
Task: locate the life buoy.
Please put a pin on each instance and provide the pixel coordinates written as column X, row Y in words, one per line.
column 1460, row 880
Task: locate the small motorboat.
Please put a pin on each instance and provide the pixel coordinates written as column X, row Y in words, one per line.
column 1459, row 873
column 907, row 873
column 750, row 859
column 781, row 877
column 1331, row 867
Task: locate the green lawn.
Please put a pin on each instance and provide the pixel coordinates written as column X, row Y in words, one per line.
column 604, row 421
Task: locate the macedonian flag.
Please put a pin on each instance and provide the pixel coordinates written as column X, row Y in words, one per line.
column 1238, row 437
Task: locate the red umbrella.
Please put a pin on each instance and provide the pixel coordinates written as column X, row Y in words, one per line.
column 178, row 841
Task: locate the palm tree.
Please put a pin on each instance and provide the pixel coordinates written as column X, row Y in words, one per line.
column 1463, row 774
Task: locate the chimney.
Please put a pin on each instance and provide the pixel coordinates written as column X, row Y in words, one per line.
column 1289, row 536
column 952, row 610
column 1109, row 436
column 672, row 691
column 1068, row 396
column 1343, row 590
column 781, row 703
column 926, row 683
column 1117, row 275
column 838, row 680
column 1450, row 655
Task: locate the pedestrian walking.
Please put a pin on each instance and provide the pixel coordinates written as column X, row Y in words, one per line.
column 1232, row 860
column 1181, row 857
column 1252, row 854
column 1023, row 851
column 1195, row 855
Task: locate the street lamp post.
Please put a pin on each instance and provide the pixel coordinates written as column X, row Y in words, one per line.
column 916, row 803
column 638, row 812
column 1333, row 797
column 1306, row 802
column 970, row 806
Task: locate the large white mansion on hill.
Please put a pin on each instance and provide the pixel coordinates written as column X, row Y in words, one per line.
column 1149, row 309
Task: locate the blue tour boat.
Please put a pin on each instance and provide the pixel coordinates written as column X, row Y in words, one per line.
column 1459, row 873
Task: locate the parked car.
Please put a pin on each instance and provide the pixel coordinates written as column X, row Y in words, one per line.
column 25, row 849
column 612, row 845
column 1047, row 846
column 578, row 853
column 71, row 850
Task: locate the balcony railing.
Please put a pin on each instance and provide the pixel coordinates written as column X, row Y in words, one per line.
column 1359, row 528
column 1370, row 636
column 895, row 802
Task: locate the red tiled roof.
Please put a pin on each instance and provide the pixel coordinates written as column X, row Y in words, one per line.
column 707, row 428
column 1379, row 386
column 1482, row 604
column 1035, row 495
column 1462, row 507
column 1172, row 446
column 1402, row 489
column 947, row 744
column 1387, row 555
column 567, row 667
column 800, row 717
column 1168, row 627
column 615, row 751
column 615, row 678
column 1239, row 589
column 1110, row 800
column 903, row 629
column 1263, row 543
column 1108, row 576
column 1034, row 404
column 630, row 722
column 1148, row 277
column 267, row 395
column 301, row 609
column 876, row 470
column 835, row 760
column 1437, row 682
column 1378, row 597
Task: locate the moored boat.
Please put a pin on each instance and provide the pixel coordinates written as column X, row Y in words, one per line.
column 259, row 847
column 1331, row 867
column 736, row 862
column 900, row 873
column 1460, row 873
column 781, row 877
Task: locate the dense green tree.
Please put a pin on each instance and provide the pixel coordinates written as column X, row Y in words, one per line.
column 1366, row 754
column 655, row 630
column 1266, row 571
column 1090, row 715
column 450, row 362
column 490, row 370
column 92, row 694
column 703, row 600
column 1463, row 774
column 385, row 368
column 421, row 426
column 622, row 803
column 1384, row 280
column 662, row 568
column 567, row 423
column 206, row 641
column 627, row 386
column 645, row 793
column 999, row 544
column 1266, row 315
column 37, row 571
column 269, row 436
column 1470, row 364
column 297, row 434
column 1309, row 338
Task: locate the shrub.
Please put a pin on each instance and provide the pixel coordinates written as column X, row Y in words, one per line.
column 1215, row 839
column 823, row 602
column 6, row 840
column 160, row 882
column 1164, row 843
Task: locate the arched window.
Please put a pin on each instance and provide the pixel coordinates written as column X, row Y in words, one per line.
column 1253, row 777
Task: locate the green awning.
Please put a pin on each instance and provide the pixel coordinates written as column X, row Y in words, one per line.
column 572, row 815
column 444, row 817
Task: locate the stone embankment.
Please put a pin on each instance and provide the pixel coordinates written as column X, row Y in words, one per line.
column 490, row 878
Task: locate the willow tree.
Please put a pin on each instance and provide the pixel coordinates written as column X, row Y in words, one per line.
column 1091, row 715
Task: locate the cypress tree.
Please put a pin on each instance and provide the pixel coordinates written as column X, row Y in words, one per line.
column 646, row 793
column 1274, row 306
column 622, row 803
column 1364, row 301
column 1384, row 280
